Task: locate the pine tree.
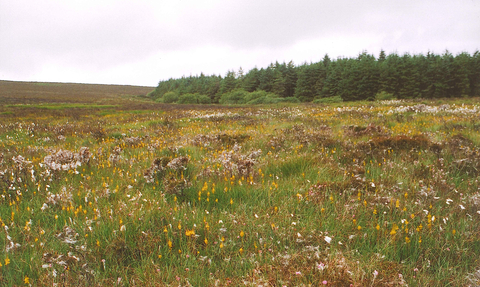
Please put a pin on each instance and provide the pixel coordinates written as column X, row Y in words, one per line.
column 229, row 83
column 266, row 79
column 474, row 75
column 307, row 84
column 333, row 77
column 360, row 79
column 240, row 78
column 278, row 86
column 213, row 88
column 382, row 56
column 407, row 84
column 251, row 80
column 326, row 61
column 461, row 74
column 390, row 75
column 433, row 88
column 290, row 79
column 429, row 76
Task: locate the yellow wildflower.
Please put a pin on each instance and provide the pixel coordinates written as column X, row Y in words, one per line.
column 419, row 228
column 394, row 229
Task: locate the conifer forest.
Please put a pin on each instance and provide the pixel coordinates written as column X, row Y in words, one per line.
column 365, row 77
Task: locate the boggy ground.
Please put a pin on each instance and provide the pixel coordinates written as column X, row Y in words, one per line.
column 367, row 194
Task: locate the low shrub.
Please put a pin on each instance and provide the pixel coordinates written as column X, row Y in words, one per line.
column 169, row 97
column 384, row 96
column 204, row 99
column 233, row 97
column 188, row 99
column 328, row 100
column 250, row 97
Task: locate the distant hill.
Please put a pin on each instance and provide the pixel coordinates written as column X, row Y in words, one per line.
column 13, row 92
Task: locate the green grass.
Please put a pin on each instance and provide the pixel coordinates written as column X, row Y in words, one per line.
column 320, row 201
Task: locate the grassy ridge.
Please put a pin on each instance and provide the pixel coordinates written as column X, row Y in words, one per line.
column 12, row 92
column 371, row 194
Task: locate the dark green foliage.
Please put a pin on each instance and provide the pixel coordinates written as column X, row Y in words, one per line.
column 229, row 83
column 291, row 78
column 334, row 75
column 266, row 79
column 240, row 78
column 382, row 56
column 310, row 80
column 251, row 81
column 279, row 82
column 361, row 78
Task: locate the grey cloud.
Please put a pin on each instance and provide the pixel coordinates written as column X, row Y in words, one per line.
column 102, row 34
column 100, row 37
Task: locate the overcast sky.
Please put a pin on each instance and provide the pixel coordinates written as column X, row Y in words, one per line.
column 142, row 42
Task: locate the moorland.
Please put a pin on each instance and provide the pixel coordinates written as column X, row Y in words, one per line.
column 102, row 186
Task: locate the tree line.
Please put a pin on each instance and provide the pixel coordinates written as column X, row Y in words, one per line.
column 343, row 79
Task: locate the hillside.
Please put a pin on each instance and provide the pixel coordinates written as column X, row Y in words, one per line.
column 12, row 92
